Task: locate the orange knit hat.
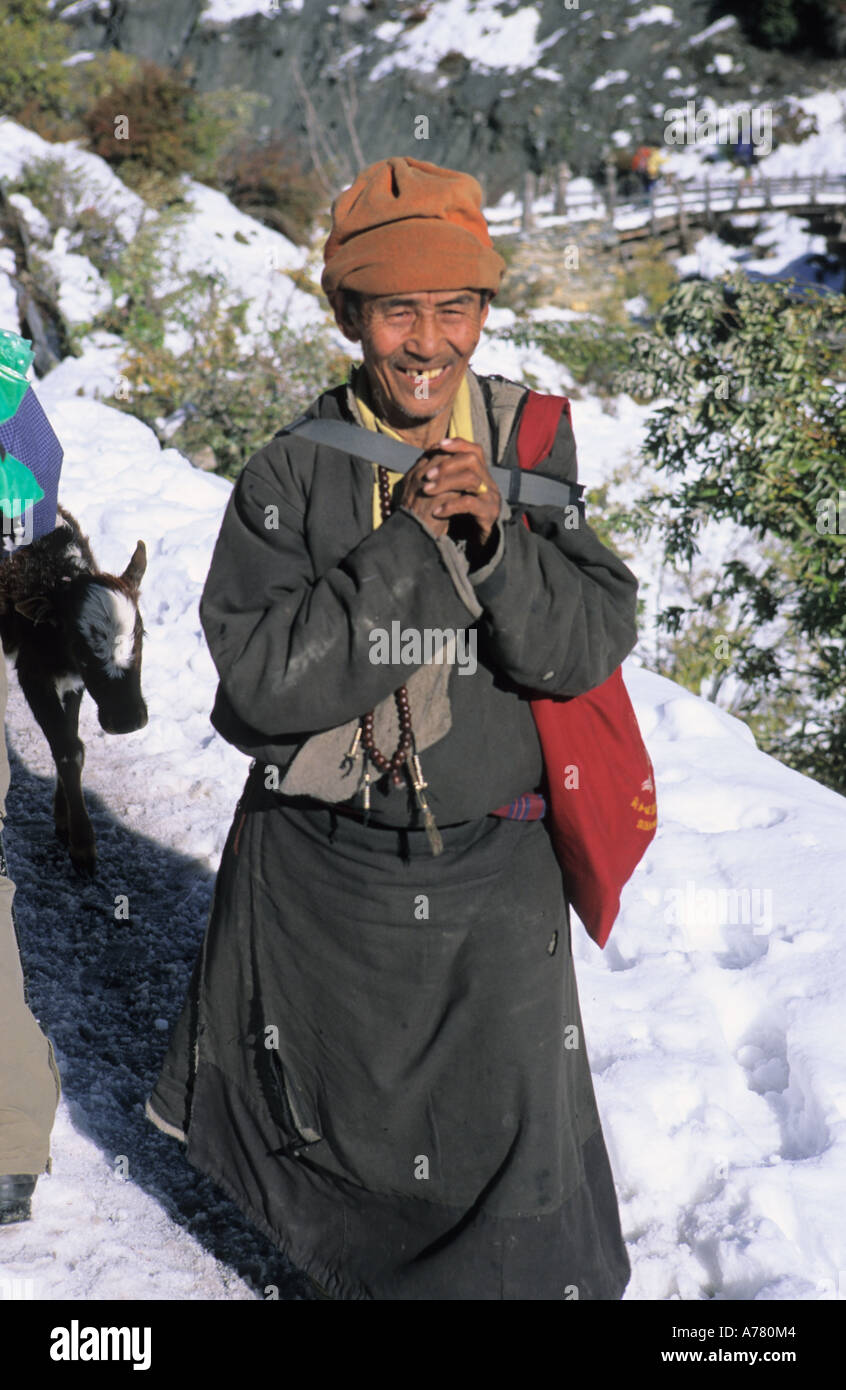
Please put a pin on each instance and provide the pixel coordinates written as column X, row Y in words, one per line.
column 405, row 225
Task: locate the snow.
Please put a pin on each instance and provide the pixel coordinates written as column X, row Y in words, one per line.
column 99, row 1236
column 655, row 14
column 226, row 11
column 824, row 152
column 512, row 361
column 783, row 237
column 495, row 40
column 99, row 186
column 253, row 260
column 584, row 203
column 746, row 1108
column 82, row 290
column 34, row 220
column 172, row 786
column 81, row 7
column 786, row 238
column 609, row 79
column 710, row 1022
column 720, row 26
column 8, row 299
column 712, row 1018
column 350, row 56
column 691, row 161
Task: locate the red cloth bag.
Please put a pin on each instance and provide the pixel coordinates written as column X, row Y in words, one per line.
column 599, row 781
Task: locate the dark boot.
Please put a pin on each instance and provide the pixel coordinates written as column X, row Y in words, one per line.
column 16, row 1191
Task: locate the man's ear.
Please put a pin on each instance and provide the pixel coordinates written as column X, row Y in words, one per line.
column 349, row 329
column 38, row 610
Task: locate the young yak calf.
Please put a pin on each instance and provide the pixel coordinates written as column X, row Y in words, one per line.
column 70, row 627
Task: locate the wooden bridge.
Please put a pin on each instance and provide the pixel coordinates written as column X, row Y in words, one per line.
column 670, row 210
column 673, row 210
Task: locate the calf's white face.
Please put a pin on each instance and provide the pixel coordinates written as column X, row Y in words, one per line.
column 107, row 623
column 107, row 652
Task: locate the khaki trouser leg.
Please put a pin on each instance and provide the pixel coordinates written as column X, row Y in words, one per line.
column 29, row 1077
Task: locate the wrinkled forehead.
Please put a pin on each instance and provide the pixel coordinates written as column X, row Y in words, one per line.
column 425, row 298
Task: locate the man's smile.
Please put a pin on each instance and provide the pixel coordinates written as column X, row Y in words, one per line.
column 431, row 374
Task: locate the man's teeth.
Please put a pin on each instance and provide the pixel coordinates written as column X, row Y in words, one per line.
column 423, row 376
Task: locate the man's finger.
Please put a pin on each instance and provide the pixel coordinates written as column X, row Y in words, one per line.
column 457, row 480
column 457, row 463
column 440, row 454
column 467, row 445
column 467, row 504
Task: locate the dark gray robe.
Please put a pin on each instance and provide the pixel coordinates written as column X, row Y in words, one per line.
column 381, row 1057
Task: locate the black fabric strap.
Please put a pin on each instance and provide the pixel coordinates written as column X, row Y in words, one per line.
column 520, row 487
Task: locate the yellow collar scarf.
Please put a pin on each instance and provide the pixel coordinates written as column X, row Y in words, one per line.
column 460, row 425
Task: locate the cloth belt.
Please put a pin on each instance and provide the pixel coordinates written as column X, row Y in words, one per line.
column 530, row 806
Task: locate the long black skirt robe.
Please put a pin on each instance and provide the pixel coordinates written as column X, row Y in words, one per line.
column 381, row 1057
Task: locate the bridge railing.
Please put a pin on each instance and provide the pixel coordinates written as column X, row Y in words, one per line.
column 756, row 191
column 680, row 199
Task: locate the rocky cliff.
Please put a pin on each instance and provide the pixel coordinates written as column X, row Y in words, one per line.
column 486, row 85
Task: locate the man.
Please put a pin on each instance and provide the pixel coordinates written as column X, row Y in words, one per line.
column 372, row 1059
column 29, row 1078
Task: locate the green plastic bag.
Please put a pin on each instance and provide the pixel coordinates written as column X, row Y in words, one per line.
column 15, row 357
column 19, row 487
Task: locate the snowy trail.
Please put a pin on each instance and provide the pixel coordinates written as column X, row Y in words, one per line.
column 712, row 1019
column 721, row 1075
column 714, row 1040
column 107, row 989
column 122, row 1215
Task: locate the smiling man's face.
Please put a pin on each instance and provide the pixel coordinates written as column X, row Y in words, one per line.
column 416, row 350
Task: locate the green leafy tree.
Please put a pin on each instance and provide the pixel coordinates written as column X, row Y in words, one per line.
column 817, row 25
column 751, row 426
column 32, row 48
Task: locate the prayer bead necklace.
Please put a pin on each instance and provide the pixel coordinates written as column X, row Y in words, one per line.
column 406, row 751
column 394, row 764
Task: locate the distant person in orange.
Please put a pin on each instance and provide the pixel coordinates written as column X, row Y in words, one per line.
column 646, row 163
